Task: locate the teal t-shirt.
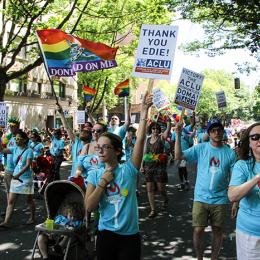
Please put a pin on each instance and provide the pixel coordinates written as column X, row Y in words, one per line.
column 77, row 146
column 200, row 134
column 118, row 130
column 185, row 140
column 37, row 148
column 9, row 158
column 213, row 172
column 88, row 162
column 19, row 161
column 249, row 206
column 57, row 146
column 118, row 206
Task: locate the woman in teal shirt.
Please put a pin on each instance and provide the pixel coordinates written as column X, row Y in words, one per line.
column 245, row 188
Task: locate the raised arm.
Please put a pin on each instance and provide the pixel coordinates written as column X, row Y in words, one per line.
column 47, row 129
column 140, row 139
column 178, row 155
column 65, row 123
column 236, row 193
column 127, row 118
column 166, row 133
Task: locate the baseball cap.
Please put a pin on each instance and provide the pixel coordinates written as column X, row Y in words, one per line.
column 212, row 123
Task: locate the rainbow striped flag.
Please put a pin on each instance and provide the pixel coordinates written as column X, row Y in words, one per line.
column 88, row 92
column 122, row 89
column 64, row 54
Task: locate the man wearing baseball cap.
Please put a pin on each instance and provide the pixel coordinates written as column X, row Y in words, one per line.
column 215, row 162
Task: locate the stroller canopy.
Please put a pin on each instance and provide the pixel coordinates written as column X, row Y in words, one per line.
column 59, row 192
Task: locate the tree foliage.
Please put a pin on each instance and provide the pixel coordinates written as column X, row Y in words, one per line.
column 232, row 24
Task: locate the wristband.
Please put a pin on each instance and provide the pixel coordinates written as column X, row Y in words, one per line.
column 101, row 187
column 104, row 180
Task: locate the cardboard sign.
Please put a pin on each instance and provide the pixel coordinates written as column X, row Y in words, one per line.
column 155, row 52
column 80, row 117
column 160, row 101
column 221, row 99
column 3, row 115
column 189, row 89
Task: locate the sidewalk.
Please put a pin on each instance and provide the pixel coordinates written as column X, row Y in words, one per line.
column 167, row 236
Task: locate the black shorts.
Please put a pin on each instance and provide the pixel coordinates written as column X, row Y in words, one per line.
column 118, row 247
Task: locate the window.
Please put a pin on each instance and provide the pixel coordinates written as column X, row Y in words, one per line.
column 39, row 88
column 62, row 90
column 22, row 86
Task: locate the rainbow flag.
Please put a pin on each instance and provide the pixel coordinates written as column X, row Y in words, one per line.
column 64, row 54
column 88, row 92
column 122, row 89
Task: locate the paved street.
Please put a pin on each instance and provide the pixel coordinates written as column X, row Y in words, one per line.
column 167, row 236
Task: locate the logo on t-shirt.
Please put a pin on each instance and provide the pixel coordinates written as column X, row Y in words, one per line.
column 213, row 169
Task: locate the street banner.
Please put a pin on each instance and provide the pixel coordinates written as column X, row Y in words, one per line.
column 155, row 52
column 65, row 54
column 221, row 99
column 3, row 115
column 80, row 117
column 189, row 89
column 160, row 101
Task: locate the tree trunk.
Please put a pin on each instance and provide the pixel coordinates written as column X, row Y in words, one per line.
column 3, row 81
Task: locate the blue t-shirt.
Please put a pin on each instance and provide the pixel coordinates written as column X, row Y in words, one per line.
column 249, row 206
column 37, row 149
column 88, row 162
column 200, row 134
column 20, row 159
column 128, row 151
column 185, row 139
column 118, row 206
column 77, row 146
column 9, row 158
column 213, row 172
column 118, row 130
column 57, row 146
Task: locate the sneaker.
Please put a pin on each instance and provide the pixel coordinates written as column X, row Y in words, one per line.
column 181, row 187
column 187, row 185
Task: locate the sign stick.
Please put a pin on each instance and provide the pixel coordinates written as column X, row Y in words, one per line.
column 126, row 107
column 182, row 115
column 150, row 85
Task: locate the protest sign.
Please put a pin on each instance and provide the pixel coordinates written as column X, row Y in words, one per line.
column 3, row 115
column 189, row 89
column 221, row 99
column 155, row 52
column 80, row 117
column 160, row 101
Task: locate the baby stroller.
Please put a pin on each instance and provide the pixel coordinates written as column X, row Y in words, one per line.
column 58, row 193
column 43, row 169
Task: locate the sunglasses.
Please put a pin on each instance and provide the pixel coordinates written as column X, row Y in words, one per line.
column 98, row 131
column 254, row 137
column 114, row 118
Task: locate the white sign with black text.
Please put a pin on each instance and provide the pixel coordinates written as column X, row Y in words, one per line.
column 160, row 101
column 189, row 89
column 81, row 117
column 221, row 99
column 3, row 115
column 155, row 52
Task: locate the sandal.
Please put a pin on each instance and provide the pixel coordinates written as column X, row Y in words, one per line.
column 152, row 214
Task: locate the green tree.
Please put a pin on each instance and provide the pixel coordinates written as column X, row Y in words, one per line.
column 20, row 20
column 119, row 28
column 227, row 25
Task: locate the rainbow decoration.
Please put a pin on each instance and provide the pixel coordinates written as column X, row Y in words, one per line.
column 88, row 92
column 122, row 89
column 5, row 139
column 151, row 157
column 64, row 54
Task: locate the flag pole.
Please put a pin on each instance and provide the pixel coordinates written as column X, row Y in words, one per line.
column 45, row 66
column 126, row 107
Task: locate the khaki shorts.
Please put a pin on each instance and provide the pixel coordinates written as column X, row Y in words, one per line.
column 7, row 180
column 204, row 214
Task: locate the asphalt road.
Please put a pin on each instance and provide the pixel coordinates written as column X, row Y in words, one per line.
column 167, row 236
